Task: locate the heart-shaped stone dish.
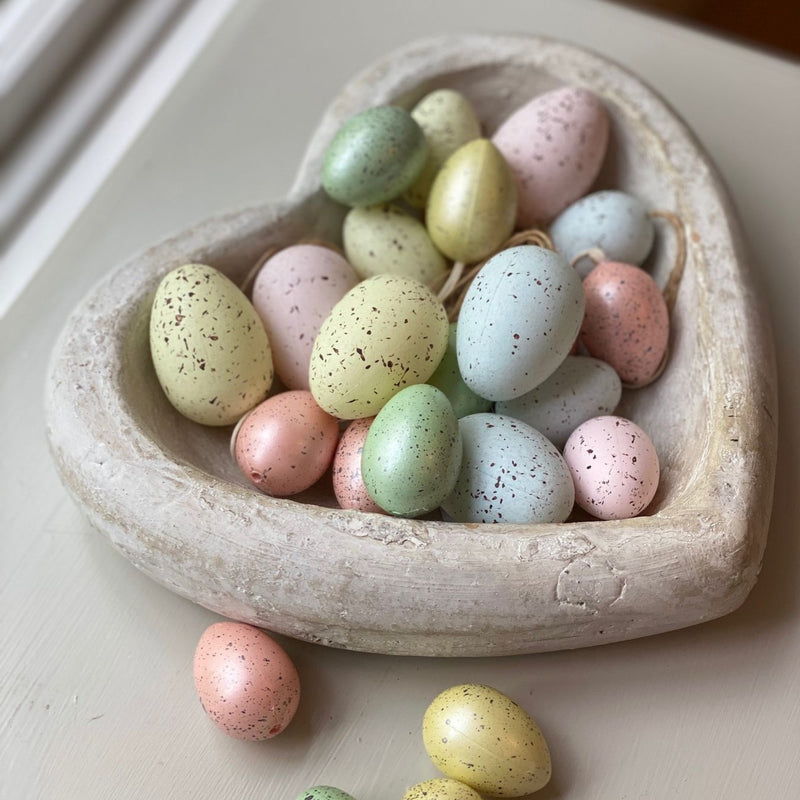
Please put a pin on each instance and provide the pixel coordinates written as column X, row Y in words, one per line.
column 166, row 493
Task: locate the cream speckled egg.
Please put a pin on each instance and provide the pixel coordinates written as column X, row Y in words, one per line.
column 388, row 332
column 348, row 482
column 324, row 793
column 479, row 736
column 246, row 682
column 441, row 789
column 209, row 348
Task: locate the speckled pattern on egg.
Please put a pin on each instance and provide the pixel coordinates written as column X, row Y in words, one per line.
column 209, row 348
column 348, row 482
column 626, row 322
column 324, row 793
column 441, row 789
column 555, row 145
column 477, row 735
column 614, row 466
column 246, row 682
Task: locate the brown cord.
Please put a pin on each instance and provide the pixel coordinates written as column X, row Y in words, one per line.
column 670, row 290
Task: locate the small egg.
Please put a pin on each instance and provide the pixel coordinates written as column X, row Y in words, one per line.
column 614, row 466
column 509, row 473
column 324, row 793
column 412, row 453
column 614, row 223
column 626, row 322
column 374, row 157
column 385, row 238
column 479, row 736
column 348, row 482
column 285, row 444
column 441, row 789
column 246, row 682
column 209, row 348
column 448, row 120
column 293, row 293
column 472, row 202
column 555, row 145
column 581, row 388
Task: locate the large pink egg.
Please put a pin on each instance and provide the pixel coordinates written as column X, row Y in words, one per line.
column 285, row 444
column 348, row 482
column 614, row 467
column 246, row 682
column 625, row 322
column 555, row 145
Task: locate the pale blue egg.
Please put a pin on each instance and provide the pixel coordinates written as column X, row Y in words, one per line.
column 324, row 793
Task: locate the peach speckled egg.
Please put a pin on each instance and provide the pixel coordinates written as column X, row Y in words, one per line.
column 626, row 322
column 555, row 145
column 614, row 467
column 348, row 482
column 285, row 444
column 246, row 682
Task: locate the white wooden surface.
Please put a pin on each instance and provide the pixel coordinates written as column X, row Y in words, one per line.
column 96, row 697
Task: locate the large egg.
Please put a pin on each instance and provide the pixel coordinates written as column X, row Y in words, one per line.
column 209, row 348
column 387, row 333
column 555, row 145
column 479, row 736
column 293, row 293
column 441, row 789
column 518, row 321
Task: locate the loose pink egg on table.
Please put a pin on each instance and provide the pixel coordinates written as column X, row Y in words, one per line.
column 614, row 467
column 348, row 482
column 285, row 444
column 246, row 682
column 626, row 321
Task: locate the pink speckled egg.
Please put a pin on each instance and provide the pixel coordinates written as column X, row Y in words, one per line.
column 348, row 482
column 246, row 682
column 614, row 466
column 285, row 444
column 626, row 322
column 555, row 145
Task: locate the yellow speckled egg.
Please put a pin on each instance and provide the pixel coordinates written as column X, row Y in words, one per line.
column 479, row 736
column 386, row 333
column 473, row 202
column 384, row 238
column 441, row 789
column 209, row 348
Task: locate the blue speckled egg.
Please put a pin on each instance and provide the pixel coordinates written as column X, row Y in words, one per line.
column 509, row 473
column 374, row 157
column 613, row 222
column 518, row 321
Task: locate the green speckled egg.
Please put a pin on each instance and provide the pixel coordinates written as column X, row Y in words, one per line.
column 441, row 789
column 209, row 348
column 479, row 736
column 412, row 453
column 386, row 333
column 448, row 378
column 448, row 120
column 374, row 157
column 473, row 202
column 385, row 238
column 324, row 793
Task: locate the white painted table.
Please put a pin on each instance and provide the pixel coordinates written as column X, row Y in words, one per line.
column 96, row 695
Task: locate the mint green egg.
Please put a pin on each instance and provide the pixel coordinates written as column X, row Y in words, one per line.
column 374, row 157
column 412, row 454
column 324, row 793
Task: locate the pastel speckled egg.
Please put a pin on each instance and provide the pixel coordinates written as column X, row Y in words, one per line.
column 374, row 157
column 246, row 682
column 385, row 238
column 348, row 482
column 626, row 322
column 612, row 222
column 387, row 333
column 441, row 789
column 581, row 388
column 293, row 293
column 210, row 351
column 472, row 203
column 519, row 320
column 324, row 793
column 555, row 145
column 412, row 453
column 479, row 736
column 614, row 466
column 285, row 444
column 448, row 120
column 509, row 473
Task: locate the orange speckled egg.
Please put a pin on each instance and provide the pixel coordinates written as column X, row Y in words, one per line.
column 246, row 682
column 348, row 482
column 285, row 444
